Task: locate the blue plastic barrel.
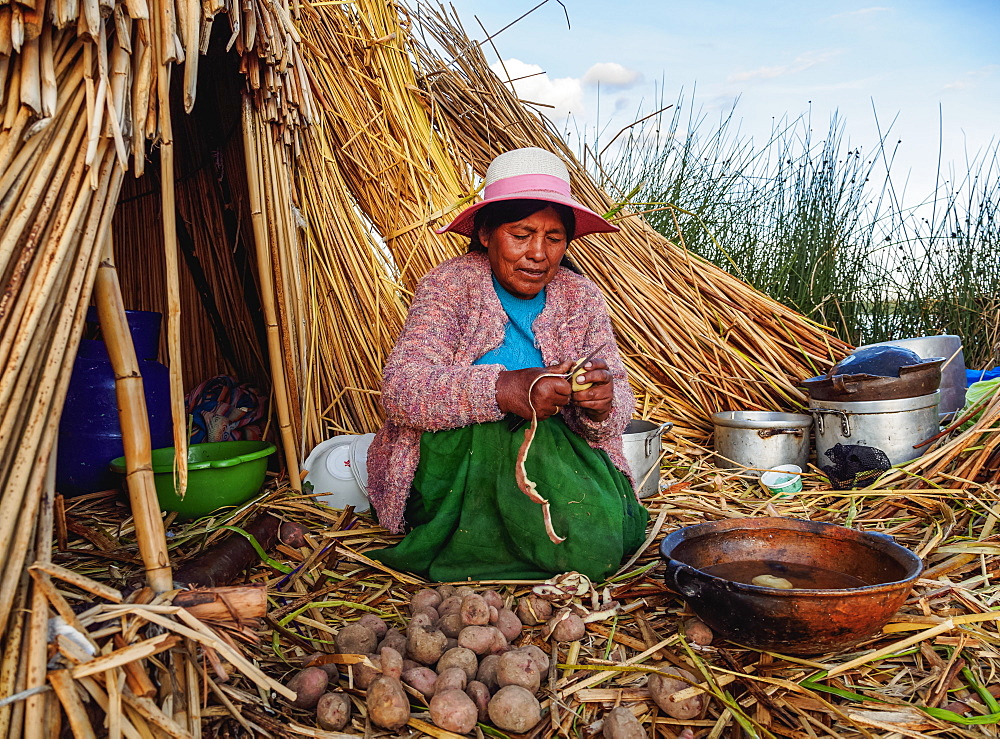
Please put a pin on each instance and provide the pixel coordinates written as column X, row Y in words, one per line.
column 90, row 435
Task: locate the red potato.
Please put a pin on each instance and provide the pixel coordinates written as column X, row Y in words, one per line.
column 355, row 639
column 480, row 639
column 330, row 668
column 663, row 687
column 387, row 703
column 365, row 674
column 492, row 598
column 374, row 623
column 309, row 684
column 463, row 590
column 451, row 679
column 480, row 695
column 509, row 624
column 565, row 626
column 421, row 620
column 533, row 610
column 518, row 668
column 423, row 598
column 459, row 657
column 494, row 614
column 421, row 679
column 621, row 723
column 451, row 625
column 451, row 604
column 474, row 611
column 430, row 612
column 487, row 672
column 515, row 709
column 698, row 632
column 539, row 656
column 455, row 711
column 395, row 639
column 426, row 647
column 391, row 662
column 333, row 711
column 446, row 591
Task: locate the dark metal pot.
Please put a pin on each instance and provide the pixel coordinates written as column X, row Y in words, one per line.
column 803, row 620
column 914, row 380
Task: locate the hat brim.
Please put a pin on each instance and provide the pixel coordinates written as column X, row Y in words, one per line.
column 587, row 221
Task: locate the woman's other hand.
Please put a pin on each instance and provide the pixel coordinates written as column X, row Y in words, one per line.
column 596, row 400
column 548, row 395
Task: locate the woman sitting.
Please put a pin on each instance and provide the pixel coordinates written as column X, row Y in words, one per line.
column 486, row 348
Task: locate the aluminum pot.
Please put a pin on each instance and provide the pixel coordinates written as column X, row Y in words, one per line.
column 913, row 380
column 893, row 426
column 756, row 441
column 643, row 442
column 948, row 346
column 804, row 620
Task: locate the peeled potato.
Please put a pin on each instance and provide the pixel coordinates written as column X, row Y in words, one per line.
column 575, row 383
column 770, row 581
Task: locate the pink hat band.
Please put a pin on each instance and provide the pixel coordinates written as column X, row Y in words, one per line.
column 526, row 183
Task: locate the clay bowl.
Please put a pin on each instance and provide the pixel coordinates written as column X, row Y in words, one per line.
column 711, row 565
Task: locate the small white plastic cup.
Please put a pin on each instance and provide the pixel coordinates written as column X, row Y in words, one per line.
column 783, row 480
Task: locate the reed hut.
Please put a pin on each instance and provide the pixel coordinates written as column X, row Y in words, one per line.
column 267, row 175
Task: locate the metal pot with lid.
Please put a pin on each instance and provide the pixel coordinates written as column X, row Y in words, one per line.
column 877, row 373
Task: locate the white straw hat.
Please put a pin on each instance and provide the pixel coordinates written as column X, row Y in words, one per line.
column 530, row 174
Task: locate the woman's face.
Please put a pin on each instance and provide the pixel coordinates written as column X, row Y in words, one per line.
column 525, row 254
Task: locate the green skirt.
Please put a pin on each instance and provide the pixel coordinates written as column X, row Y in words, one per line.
column 469, row 520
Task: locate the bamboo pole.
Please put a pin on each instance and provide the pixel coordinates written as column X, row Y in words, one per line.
column 134, row 419
column 253, row 142
column 171, row 248
column 36, row 646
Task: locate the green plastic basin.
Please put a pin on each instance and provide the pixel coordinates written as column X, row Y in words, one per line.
column 220, row 474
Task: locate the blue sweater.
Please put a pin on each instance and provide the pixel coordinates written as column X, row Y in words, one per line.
column 518, row 350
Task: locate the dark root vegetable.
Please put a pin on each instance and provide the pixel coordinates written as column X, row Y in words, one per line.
column 395, row 639
column 451, row 604
column 515, row 709
column 391, row 662
column 455, row 711
column 333, row 711
column 355, row 639
column 309, row 684
column 446, row 591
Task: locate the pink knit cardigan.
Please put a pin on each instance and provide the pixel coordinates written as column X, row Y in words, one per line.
column 430, row 383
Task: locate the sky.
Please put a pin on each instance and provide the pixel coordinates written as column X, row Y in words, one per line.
column 928, row 72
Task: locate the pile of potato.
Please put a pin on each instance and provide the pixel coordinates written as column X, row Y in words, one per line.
column 456, row 652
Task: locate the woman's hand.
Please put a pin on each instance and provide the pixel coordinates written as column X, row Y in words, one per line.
column 597, row 399
column 548, row 396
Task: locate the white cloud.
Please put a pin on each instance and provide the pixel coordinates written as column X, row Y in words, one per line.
column 532, row 84
column 611, row 75
column 799, row 64
column 973, row 78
